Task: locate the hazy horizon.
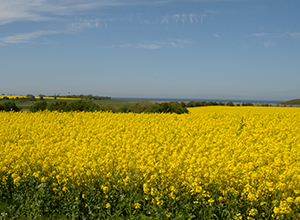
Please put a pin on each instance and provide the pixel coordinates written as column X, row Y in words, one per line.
column 192, row 49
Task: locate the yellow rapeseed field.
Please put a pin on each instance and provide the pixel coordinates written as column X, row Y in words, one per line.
column 244, row 158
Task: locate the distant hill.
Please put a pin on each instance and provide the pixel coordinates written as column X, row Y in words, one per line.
column 291, row 102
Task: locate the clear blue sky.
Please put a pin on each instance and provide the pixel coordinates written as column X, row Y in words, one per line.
column 201, row 49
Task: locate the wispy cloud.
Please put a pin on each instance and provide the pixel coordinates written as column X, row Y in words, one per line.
column 179, row 43
column 27, row 37
column 42, row 10
column 267, row 44
column 217, row 36
column 295, row 35
column 191, row 18
column 148, row 46
column 165, row 20
column 170, row 43
column 151, row 46
column 211, row 12
column 82, row 24
column 259, row 35
column 74, row 27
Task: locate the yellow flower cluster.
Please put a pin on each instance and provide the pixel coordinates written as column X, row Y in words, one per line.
column 37, row 97
column 251, row 153
column 12, row 96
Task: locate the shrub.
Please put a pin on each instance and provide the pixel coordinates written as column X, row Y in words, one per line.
column 167, row 107
column 87, row 106
column 9, row 106
column 39, row 106
column 230, row 104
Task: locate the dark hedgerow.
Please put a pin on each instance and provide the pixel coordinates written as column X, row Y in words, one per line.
column 9, row 106
column 90, row 106
column 167, row 107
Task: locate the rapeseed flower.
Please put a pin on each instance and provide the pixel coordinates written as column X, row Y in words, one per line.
column 213, row 155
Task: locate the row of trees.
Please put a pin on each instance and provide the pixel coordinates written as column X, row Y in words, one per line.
column 81, row 96
column 90, row 106
column 204, row 103
column 87, row 106
column 30, row 97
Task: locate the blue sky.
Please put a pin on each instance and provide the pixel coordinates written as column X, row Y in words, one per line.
column 197, row 49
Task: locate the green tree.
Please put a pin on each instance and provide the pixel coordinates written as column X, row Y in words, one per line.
column 30, row 97
column 39, row 106
column 10, row 106
column 41, row 96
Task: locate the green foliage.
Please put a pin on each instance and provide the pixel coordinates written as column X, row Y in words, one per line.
column 41, row 96
column 167, row 107
column 90, row 106
column 33, row 199
column 39, row 106
column 87, row 106
column 9, row 106
column 5, row 98
column 230, row 104
column 183, row 105
column 87, row 97
column 291, row 102
column 247, row 104
column 203, row 103
column 30, row 97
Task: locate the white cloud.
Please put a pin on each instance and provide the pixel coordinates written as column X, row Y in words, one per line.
column 176, row 17
column 183, row 18
column 165, row 20
column 179, row 43
column 82, row 24
column 27, row 37
column 295, row 35
column 193, row 18
column 259, row 35
column 148, row 46
column 139, row 46
column 267, row 44
column 202, row 16
column 216, row 35
column 74, row 27
column 211, row 12
column 41, row 10
column 170, row 43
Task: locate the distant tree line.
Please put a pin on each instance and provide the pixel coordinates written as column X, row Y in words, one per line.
column 81, row 96
column 204, row 103
column 90, row 106
column 30, row 97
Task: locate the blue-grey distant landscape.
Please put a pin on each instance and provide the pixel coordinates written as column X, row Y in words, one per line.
column 176, row 49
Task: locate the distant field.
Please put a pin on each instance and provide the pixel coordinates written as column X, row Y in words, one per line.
column 242, row 109
column 27, row 104
column 37, row 97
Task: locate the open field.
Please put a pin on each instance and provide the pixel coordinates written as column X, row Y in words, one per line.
column 214, row 163
column 26, row 104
